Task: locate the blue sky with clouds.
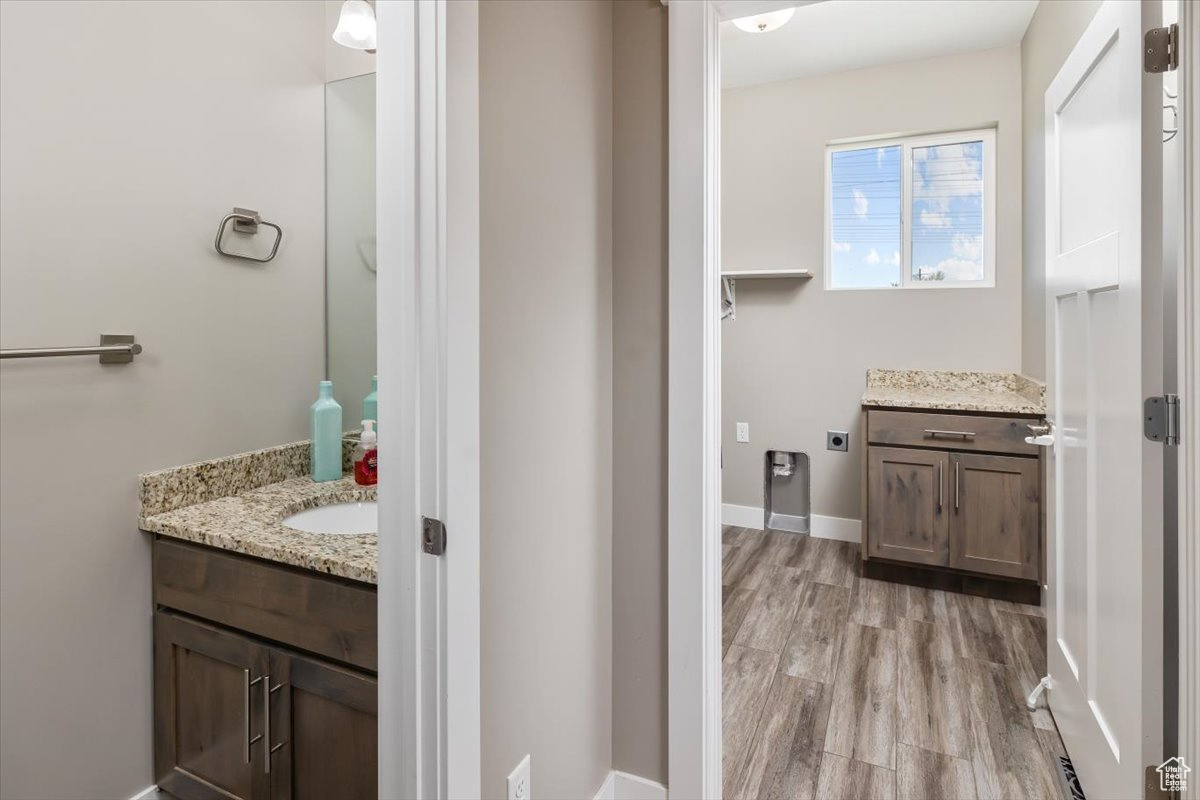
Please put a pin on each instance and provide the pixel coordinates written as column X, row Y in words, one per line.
column 947, row 226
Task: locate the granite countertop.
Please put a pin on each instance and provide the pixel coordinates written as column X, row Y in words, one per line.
column 938, row 390
column 237, row 504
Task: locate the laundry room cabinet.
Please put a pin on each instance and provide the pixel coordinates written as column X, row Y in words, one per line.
column 959, row 494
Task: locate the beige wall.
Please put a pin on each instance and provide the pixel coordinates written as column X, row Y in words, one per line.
column 793, row 362
column 639, row 388
column 1050, row 37
column 118, row 159
column 546, row 393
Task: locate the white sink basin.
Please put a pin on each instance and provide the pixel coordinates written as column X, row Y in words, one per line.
column 347, row 519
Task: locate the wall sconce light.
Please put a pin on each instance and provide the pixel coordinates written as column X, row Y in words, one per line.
column 356, row 26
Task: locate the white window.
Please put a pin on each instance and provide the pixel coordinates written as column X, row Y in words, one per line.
column 911, row 212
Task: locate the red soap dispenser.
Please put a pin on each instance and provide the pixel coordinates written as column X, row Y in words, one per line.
column 366, row 456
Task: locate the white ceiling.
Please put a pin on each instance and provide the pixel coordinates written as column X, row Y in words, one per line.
column 839, row 35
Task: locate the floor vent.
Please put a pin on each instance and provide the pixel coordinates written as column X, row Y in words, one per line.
column 1071, row 790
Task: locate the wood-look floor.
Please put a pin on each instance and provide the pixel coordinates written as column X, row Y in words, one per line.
column 839, row 686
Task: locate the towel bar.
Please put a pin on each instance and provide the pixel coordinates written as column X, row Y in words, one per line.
column 114, row 348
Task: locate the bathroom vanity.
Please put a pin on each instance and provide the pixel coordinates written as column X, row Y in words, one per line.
column 952, row 492
column 265, row 654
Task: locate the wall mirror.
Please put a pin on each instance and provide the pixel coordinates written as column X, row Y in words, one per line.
column 350, row 241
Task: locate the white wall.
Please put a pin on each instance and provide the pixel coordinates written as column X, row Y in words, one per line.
column 794, row 360
column 126, row 131
column 1049, row 39
column 546, row 393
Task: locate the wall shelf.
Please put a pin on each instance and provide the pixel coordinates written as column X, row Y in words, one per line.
column 730, row 277
column 737, row 274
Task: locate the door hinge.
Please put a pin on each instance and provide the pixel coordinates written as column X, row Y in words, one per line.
column 433, row 536
column 1161, row 49
column 1162, row 423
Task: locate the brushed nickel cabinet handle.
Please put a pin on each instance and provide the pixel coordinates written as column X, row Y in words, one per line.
column 247, row 741
column 933, row 433
column 267, row 746
column 956, row 486
column 267, row 723
column 941, row 488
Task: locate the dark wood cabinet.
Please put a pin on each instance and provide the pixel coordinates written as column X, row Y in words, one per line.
column 907, row 510
column 204, row 713
column 325, row 719
column 955, row 493
column 997, row 514
column 241, row 710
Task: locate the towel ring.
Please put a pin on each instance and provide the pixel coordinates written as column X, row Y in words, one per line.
column 247, row 221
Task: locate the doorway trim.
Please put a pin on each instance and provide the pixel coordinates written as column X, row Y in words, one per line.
column 1188, row 372
column 694, row 403
column 693, row 509
column 427, row 204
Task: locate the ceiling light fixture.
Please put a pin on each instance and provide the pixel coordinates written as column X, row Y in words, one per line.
column 356, row 26
column 761, row 23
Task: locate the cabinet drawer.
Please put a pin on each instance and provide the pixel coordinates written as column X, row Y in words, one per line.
column 950, row 432
column 291, row 606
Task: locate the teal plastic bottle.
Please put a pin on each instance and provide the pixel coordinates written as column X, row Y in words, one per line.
column 326, row 458
column 371, row 402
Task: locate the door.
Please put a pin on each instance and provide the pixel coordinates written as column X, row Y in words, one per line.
column 994, row 524
column 907, row 504
column 323, row 730
column 1104, row 355
column 208, row 722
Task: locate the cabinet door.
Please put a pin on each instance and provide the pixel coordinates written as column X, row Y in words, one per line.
column 995, row 527
column 324, row 730
column 205, row 711
column 907, row 505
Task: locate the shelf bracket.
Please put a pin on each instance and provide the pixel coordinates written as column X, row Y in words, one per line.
column 728, row 298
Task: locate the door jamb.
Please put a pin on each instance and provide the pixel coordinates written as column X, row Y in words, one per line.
column 1188, row 366
column 427, row 200
column 694, row 404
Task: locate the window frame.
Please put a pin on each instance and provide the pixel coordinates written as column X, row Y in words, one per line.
column 907, row 143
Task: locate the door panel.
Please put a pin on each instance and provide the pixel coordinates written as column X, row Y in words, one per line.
column 994, row 527
column 1070, row 586
column 907, row 505
column 1104, row 355
column 325, row 729
column 205, row 711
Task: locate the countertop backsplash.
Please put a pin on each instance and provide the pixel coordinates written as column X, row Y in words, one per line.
column 947, row 390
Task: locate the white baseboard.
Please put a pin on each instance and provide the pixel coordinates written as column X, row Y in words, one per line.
column 145, row 794
column 840, row 528
column 623, row 786
column 742, row 516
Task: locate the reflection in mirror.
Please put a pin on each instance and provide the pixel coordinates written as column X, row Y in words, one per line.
column 350, row 241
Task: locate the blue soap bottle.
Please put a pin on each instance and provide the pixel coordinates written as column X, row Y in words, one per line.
column 326, row 458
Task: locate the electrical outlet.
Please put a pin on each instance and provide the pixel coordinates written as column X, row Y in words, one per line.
column 837, row 440
column 743, row 431
column 518, row 781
